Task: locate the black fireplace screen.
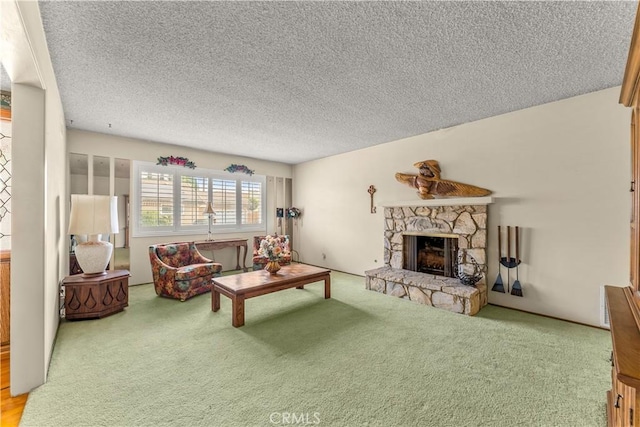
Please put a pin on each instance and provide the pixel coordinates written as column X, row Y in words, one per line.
column 430, row 254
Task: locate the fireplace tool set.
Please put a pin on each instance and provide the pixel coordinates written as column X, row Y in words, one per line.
column 509, row 262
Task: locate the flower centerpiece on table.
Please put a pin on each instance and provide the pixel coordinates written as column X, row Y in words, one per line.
column 273, row 248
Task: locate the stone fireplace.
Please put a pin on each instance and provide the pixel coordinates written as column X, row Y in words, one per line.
column 425, row 243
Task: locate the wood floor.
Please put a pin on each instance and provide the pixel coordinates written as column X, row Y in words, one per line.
column 12, row 407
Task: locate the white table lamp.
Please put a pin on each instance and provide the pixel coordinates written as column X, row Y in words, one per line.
column 93, row 216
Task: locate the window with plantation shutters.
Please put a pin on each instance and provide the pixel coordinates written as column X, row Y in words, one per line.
column 251, row 202
column 224, row 201
column 156, row 200
column 194, row 195
column 168, row 199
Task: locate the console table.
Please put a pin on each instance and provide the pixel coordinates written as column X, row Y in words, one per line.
column 88, row 297
column 214, row 245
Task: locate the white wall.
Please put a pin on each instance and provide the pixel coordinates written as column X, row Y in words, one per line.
column 99, row 144
column 78, row 184
column 560, row 171
column 39, row 188
column 27, row 227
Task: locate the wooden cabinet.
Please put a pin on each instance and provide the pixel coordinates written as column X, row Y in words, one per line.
column 630, row 97
column 74, row 267
column 623, row 400
column 96, row 296
column 621, row 403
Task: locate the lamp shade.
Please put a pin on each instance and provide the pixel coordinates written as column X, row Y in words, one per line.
column 209, row 209
column 93, row 214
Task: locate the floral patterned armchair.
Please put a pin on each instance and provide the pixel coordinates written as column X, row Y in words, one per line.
column 180, row 271
column 259, row 261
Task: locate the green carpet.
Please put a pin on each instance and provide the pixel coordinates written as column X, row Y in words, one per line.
column 360, row 358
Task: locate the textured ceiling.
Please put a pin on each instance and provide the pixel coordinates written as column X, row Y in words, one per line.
column 295, row 81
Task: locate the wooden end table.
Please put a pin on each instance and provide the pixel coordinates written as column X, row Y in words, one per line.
column 88, row 297
column 240, row 287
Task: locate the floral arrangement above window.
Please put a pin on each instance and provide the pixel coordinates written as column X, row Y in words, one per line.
column 233, row 168
column 273, row 247
column 180, row 161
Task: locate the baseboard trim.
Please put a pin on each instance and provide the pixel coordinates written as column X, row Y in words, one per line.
column 548, row 316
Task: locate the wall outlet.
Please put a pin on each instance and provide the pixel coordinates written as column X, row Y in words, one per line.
column 324, row 256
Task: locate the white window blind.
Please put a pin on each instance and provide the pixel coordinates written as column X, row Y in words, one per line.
column 156, row 199
column 194, row 195
column 251, row 202
column 224, row 201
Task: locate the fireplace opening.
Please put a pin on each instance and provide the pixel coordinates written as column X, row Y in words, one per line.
column 431, row 254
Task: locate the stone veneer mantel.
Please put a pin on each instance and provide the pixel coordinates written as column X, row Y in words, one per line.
column 452, row 201
column 464, row 217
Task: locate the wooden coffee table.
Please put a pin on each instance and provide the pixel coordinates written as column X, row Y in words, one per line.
column 240, row 287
